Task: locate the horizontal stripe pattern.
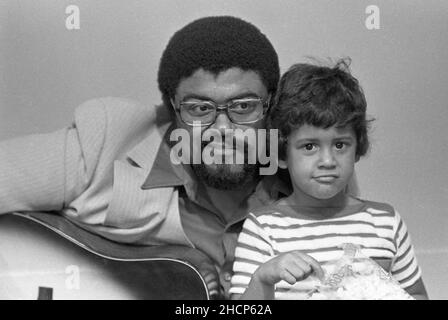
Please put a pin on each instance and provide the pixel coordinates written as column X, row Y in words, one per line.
column 405, row 268
column 380, row 233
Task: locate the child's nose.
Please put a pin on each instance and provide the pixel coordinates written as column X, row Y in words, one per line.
column 327, row 159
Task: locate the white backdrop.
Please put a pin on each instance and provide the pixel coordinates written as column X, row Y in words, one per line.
column 46, row 70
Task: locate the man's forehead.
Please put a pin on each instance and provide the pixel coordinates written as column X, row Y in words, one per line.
column 227, row 84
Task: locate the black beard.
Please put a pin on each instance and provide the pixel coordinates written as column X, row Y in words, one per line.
column 222, row 177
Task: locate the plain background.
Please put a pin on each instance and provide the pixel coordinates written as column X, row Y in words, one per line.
column 47, row 70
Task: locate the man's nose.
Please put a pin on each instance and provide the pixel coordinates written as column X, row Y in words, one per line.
column 222, row 122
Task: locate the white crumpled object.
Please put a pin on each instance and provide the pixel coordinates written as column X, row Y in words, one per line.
column 356, row 277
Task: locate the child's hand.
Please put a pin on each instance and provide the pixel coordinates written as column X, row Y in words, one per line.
column 290, row 266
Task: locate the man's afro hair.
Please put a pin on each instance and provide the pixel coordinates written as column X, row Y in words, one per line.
column 216, row 44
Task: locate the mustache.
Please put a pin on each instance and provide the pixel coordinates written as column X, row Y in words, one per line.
column 224, row 142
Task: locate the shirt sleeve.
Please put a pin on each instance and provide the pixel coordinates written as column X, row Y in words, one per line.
column 405, row 268
column 253, row 249
column 32, row 172
column 45, row 172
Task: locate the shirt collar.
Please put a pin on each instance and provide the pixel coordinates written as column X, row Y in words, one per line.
column 270, row 189
column 164, row 173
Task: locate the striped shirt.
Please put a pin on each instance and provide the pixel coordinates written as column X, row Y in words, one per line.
column 375, row 227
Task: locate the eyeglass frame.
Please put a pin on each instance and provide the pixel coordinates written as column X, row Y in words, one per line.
column 224, row 107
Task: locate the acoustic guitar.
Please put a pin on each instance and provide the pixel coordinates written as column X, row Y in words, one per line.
column 45, row 256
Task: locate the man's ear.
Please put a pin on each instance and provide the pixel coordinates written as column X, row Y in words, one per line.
column 282, row 164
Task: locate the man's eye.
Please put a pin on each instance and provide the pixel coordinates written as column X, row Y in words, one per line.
column 199, row 109
column 203, row 108
column 244, row 107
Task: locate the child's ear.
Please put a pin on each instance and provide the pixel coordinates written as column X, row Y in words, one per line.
column 357, row 157
column 282, row 164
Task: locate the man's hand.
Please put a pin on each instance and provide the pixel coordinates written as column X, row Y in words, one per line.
column 290, row 266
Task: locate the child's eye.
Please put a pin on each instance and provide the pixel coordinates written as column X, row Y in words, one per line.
column 341, row 145
column 309, row 147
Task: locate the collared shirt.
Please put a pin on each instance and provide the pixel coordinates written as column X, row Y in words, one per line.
column 206, row 229
column 93, row 172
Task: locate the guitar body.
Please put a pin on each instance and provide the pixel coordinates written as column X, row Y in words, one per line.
column 47, row 254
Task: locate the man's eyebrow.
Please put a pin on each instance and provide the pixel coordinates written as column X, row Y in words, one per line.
column 247, row 94
column 193, row 96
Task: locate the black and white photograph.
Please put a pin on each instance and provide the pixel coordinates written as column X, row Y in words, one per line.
column 223, row 150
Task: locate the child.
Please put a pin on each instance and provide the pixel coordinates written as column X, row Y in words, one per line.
column 321, row 115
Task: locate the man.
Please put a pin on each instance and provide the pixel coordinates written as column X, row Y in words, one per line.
column 111, row 172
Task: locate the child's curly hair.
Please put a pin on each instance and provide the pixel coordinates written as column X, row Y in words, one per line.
column 320, row 96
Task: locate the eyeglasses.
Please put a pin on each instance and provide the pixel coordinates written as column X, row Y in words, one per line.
column 239, row 111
